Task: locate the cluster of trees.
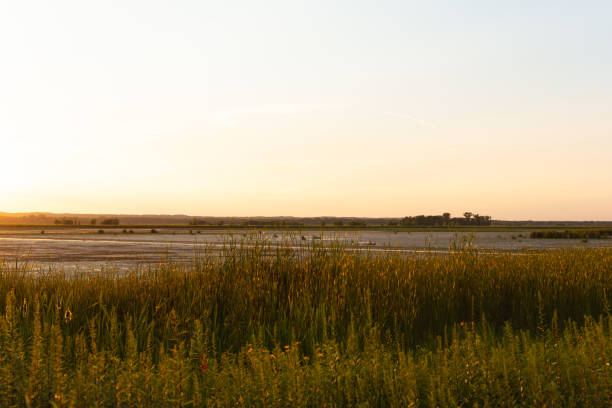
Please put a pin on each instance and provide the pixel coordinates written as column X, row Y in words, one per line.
column 445, row 220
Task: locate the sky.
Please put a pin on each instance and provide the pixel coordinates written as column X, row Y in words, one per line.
column 307, row 108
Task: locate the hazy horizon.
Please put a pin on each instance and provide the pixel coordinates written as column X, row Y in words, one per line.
column 101, row 214
column 381, row 109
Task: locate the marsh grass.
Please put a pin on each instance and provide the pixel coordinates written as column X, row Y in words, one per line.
column 583, row 234
column 262, row 324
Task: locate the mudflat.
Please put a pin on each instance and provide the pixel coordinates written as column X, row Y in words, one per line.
column 80, row 248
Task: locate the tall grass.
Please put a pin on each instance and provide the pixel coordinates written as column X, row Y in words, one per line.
column 264, row 325
column 573, row 234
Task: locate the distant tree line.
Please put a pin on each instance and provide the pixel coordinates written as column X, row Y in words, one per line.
column 110, row 221
column 76, row 222
column 67, row 221
column 272, row 223
column 248, row 223
column 197, row 221
column 445, row 220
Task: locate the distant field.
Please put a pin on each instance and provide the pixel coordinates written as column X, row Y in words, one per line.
column 260, row 326
column 491, row 228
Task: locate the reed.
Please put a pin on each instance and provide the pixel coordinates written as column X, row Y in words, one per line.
column 261, row 324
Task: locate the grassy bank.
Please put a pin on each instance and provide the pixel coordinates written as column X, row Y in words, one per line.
column 267, row 326
column 573, row 234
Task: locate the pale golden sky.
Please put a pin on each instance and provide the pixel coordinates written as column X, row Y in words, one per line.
column 307, row 108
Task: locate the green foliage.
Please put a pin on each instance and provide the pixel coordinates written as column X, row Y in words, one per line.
column 258, row 324
column 582, row 234
column 445, row 220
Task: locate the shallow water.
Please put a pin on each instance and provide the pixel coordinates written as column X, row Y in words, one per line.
column 92, row 251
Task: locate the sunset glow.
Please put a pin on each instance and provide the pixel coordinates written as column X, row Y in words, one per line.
column 304, row 108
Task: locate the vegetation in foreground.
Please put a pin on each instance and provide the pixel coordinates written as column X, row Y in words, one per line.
column 257, row 325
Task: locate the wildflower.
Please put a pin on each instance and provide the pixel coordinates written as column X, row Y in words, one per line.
column 607, row 364
column 68, row 315
column 306, row 358
column 320, row 354
column 461, row 324
column 203, row 364
column 286, row 348
column 272, row 357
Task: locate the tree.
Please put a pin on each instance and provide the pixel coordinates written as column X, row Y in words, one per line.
column 446, row 216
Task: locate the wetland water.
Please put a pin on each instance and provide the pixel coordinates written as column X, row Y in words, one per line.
column 89, row 249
